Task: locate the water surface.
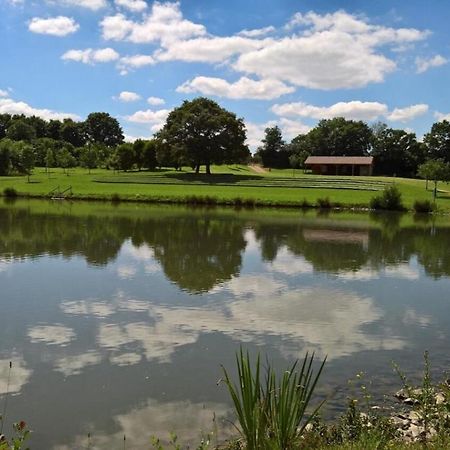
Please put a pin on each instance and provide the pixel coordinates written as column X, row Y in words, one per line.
column 117, row 318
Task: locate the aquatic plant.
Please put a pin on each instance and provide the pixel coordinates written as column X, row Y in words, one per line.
column 272, row 413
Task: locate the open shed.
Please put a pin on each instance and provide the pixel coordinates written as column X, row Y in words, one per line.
column 340, row 165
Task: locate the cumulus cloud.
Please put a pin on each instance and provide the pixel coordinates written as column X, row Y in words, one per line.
column 356, row 110
column 165, row 23
column 93, row 5
column 4, row 93
column 155, row 119
column 132, row 5
column 127, row 96
column 128, row 63
column 155, row 101
column 243, row 88
column 332, row 51
column 423, row 64
column 408, row 113
column 442, row 116
column 91, row 56
column 257, row 32
column 10, row 106
column 55, row 26
column 210, row 49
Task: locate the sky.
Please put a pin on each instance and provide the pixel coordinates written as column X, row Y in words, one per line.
column 273, row 62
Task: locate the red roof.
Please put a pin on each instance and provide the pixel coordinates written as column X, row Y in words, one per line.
column 339, row 160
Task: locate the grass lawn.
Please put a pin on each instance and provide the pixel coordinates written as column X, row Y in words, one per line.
column 225, row 185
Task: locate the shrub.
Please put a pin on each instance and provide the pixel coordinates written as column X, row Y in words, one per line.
column 324, row 203
column 390, row 199
column 423, row 206
column 305, row 204
column 10, row 192
column 115, row 198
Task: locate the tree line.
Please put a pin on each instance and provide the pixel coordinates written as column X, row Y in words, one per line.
column 201, row 133
column 396, row 152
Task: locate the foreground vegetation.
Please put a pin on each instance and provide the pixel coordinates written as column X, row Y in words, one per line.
column 275, row 412
column 229, row 185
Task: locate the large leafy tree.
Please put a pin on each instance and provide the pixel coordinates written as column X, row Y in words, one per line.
column 20, row 130
column 101, row 128
column 438, row 141
column 272, row 152
column 396, row 152
column 340, row 137
column 73, row 132
column 204, row 133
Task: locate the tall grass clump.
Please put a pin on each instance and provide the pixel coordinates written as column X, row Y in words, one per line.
column 10, row 192
column 271, row 410
column 390, row 199
column 324, row 203
column 423, row 206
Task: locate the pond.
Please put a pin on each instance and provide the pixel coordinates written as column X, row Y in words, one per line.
column 117, row 318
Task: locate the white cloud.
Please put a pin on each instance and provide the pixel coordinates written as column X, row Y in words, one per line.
column 209, row 49
column 257, row 32
column 164, row 24
column 423, row 64
column 4, row 93
column 356, row 110
column 55, row 26
column 243, row 88
column 91, row 56
column 408, row 113
column 51, row 334
column 255, row 132
column 93, row 5
column 132, row 5
column 9, row 106
column 442, row 116
column 333, row 51
column 128, row 63
column 127, row 96
column 129, row 138
column 155, row 101
column 156, row 119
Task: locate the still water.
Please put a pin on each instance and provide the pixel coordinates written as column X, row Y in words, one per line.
column 117, row 318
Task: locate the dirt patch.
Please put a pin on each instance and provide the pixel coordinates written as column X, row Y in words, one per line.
column 257, row 169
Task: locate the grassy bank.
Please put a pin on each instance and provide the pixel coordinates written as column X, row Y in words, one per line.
column 238, row 185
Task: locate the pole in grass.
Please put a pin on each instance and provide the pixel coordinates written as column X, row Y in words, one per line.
column 3, row 416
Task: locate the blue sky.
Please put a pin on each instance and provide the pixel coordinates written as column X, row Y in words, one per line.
column 272, row 62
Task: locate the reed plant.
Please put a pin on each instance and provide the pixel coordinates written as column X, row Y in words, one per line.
column 272, row 410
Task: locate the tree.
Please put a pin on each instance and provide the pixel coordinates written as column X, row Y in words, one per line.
column 89, row 157
column 65, row 160
column 396, row 152
column 204, row 134
column 5, row 156
column 101, row 128
column 437, row 141
column 50, row 160
column 125, row 156
column 73, row 132
column 54, row 129
column 149, row 154
column 340, row 137
column 5, row 119
column 271, row 150
column 20, row 130
column 435, row 170
column 27, row 159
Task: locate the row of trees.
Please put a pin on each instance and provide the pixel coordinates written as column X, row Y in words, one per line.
column 200, row 132
column 197, row 133
column 396, row 151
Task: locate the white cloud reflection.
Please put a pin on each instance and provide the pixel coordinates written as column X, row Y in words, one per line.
column 51, row 334
column 20, row 374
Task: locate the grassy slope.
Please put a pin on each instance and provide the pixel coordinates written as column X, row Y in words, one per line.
column 226, row 184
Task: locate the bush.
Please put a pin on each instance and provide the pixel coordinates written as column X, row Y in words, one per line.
column 324, row 203
column 10, row 192
column 305, row 204
column 390, row 199
column 115, row 198
column 423, row 206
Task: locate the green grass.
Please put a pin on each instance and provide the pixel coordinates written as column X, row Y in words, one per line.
column 225, row 185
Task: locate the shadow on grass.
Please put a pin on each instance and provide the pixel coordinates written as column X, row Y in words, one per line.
column 219, row 178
